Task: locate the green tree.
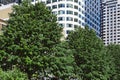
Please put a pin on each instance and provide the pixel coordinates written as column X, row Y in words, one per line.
column 62, row 61
column 14, row 74
column 91, row 60
column 114, row 51
column 29, row 38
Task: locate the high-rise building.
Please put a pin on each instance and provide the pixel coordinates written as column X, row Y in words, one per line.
column 110, row 21
column 74, row 13
column 92, row 14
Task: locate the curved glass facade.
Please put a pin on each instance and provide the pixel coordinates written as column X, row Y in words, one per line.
column 70, row 13
column 92, row 14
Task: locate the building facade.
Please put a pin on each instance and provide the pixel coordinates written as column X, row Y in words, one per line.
column 72, row 13
column 92, row 14
column 111, row 22
column 5, row 10
column 4, row 14
column 76, row 13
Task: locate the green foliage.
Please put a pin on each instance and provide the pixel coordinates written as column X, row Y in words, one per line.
column 59, row 64
column 29, row 38
column 91, row 60
column 14, row 74
column 114, row 51
column 62, row 61
column 31, row 42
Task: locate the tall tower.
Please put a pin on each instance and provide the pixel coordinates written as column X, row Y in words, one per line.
column 111, row 21
column 74, row 13
column 92, row 14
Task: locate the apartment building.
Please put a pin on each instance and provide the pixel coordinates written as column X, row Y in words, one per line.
column 111, row 21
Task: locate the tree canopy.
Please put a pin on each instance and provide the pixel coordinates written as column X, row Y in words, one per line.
column 14, row 74
column 114, row 51
column 91, row 60
column 29, row 38
column 31, row 42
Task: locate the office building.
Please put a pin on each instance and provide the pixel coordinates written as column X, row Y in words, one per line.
column 76, row 13
column 110, row 22
column 92, row 14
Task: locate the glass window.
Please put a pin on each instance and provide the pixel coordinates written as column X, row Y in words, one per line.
column 75, row 26
column 69, row 12
column 67, row 31
column 69, row 0
column 61, row 5
column 83, row 12
column 69, row 19
column 69, row 6
column 79, row 16
column 75, row 7
column 83, row 24
column 79, row 22
column 54, row 12
column 69, row 25
column 76, row 1
column 61, row 25
column 60, row 18
column 75, row 20
column 54, row 6
column 79, row 3
column 61, row 0
column 76, row 13
column 83, row 18
column 54, row 0
column 61, row 12
column 48, row 1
